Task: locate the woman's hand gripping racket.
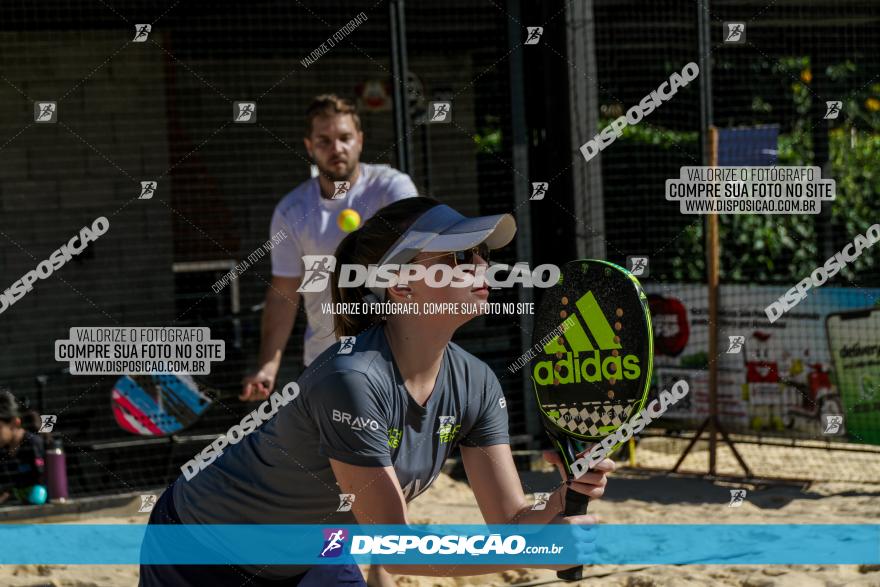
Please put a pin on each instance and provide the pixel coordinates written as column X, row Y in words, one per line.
column 592, row 370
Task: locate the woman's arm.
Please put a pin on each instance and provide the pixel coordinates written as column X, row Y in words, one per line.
column 492, row 475
column 379, row 500
column 496, row 485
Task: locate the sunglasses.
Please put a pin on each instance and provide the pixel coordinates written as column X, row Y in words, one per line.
column 467, row 256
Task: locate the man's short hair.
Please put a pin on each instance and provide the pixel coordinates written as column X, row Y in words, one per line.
column 8, row 406
column 330, row 105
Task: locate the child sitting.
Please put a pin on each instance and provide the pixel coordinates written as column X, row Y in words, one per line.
column 22, row 454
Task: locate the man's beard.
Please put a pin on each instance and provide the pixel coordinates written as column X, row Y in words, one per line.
column 344, row 176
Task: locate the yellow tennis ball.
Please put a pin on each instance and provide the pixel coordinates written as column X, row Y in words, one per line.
column 348, row 220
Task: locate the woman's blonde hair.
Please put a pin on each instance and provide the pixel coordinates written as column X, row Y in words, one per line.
column 366, row 246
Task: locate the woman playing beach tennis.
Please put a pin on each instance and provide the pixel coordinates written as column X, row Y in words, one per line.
column 378, row 416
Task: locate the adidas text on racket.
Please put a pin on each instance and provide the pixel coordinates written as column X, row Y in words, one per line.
column 585, row 362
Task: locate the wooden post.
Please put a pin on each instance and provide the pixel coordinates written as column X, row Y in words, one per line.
column 712, row 264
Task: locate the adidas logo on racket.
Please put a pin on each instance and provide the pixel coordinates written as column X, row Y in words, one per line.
column 605, row 362
column 591, row 361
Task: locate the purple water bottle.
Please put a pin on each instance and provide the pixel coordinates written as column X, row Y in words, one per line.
column 56, row 472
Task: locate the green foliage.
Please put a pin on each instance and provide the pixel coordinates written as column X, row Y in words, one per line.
column 646, row 134
column 855, row 161
column 698, row 360
column 757, row 248
column 488, row 137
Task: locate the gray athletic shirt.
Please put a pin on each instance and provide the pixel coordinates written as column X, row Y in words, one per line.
column 355, row 409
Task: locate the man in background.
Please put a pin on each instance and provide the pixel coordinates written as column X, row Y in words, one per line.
column 310, row 216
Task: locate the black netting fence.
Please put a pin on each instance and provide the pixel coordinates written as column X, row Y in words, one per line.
column 161, row 110
column 795, row 367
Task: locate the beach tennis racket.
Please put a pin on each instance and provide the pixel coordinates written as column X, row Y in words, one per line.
column 160, row 404
column 594, row 355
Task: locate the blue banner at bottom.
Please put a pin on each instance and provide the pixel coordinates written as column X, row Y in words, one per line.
column 513, row 545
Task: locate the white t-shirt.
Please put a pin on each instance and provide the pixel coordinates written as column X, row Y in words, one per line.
column 310, row 222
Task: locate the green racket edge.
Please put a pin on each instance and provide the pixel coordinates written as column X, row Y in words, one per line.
column 565, row 448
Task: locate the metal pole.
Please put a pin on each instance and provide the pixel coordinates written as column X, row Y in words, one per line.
column 584, row 99
column 522, row 213
column 399, row 67
column 704, row 60
column 709, row 140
